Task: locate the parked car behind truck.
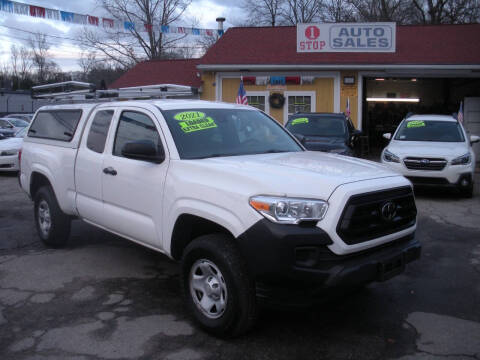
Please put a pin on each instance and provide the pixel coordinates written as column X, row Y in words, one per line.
column 329, row 132
column 225, row 190
column 9, row 149
column 433, row 150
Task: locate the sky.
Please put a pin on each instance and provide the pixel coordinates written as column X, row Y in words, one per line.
column 16, row 29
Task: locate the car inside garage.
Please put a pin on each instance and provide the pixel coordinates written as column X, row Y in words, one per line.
column 387, row 100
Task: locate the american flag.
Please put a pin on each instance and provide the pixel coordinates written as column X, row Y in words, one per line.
column 460, row 113
column 347, row 110
column 242, row 94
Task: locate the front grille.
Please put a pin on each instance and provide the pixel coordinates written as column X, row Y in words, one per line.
column 420, row 180
column 418, row 163
column 366, row 217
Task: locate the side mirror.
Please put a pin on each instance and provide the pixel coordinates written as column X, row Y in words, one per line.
column 387, row 136
column 10, row 126
column 474, row 139
column 143, row 150
column 300, row 138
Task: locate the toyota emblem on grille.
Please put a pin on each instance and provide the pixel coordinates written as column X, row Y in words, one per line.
column 424, row 162
column 389, row 210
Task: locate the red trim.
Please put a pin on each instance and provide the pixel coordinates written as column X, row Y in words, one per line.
column 93, row 20
column 249, row 80
column 292, row 80
column 37, row 11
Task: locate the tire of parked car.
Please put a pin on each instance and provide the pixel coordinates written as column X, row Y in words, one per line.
column 467, row 192
column 53, row 226
column 217, row 289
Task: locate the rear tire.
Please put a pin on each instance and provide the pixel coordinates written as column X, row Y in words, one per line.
column 53, row 225
column 217, row 289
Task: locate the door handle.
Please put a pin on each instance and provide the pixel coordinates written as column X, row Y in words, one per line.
column 110, row 171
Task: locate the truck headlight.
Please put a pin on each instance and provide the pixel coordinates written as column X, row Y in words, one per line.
column 8, row 152
column 284, row 210
column 462, row 160
column 390, row 157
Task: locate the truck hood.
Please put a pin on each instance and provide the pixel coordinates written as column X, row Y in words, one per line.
column 445, row 150
column 297, row 174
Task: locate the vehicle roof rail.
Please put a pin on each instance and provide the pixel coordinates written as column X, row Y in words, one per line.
column 75, row 91
column 50, row 91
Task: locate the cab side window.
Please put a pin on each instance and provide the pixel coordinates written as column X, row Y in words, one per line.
column 135, row 126
column 97, row 135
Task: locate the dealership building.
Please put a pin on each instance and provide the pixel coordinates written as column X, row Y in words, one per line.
column 382, row 71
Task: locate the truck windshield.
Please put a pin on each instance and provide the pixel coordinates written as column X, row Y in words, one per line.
column 204, row 133
column 430, row 130
column 318, row 125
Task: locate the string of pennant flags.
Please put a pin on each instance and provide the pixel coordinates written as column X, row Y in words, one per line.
column 14, row 7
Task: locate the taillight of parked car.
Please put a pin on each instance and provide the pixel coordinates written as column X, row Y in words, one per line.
column 19, row 158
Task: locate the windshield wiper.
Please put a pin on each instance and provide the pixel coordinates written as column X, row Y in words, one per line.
column 272, row 151
column 209, row 156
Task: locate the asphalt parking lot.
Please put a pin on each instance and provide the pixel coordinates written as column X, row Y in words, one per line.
column 105, row 298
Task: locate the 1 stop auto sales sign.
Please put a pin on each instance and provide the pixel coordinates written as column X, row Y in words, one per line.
column 346, row 37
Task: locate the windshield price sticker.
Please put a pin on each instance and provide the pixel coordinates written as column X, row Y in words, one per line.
column 191, row 121
column 415, row 124
column 300, row 121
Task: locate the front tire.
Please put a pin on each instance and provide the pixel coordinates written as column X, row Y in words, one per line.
column 216, row 286
column 53, row 226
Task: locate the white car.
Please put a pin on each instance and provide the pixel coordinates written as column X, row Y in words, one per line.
column 9, row 149
column 432, row 150
column 14, row 124
column 25, row 117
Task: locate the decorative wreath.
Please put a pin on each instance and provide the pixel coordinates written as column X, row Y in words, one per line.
column 276, row 100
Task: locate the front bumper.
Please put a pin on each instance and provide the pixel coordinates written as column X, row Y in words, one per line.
column 293, row 265
column 9, row 163
column 451, row 175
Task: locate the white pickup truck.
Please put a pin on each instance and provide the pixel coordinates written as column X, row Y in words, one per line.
column 227, row 191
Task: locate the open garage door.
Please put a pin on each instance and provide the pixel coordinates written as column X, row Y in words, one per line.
column 472, row 121
column 386, row 101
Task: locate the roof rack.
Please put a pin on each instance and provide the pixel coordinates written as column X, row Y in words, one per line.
column 86, row 92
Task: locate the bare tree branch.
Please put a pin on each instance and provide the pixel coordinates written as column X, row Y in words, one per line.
column 263, row 12
column 130, row 46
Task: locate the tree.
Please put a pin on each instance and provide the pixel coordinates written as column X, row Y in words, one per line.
column 203, row 43
column 301, row 11
column 87, row 63
column 263, row 12
column 129, row 46
column 46, row 68
column 14, row 60
column 446, row 11
column 400, row 11
column 336, row 11
column 24, row 67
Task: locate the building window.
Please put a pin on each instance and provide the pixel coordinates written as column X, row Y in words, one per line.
column 299, row 104
column 257, row 101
